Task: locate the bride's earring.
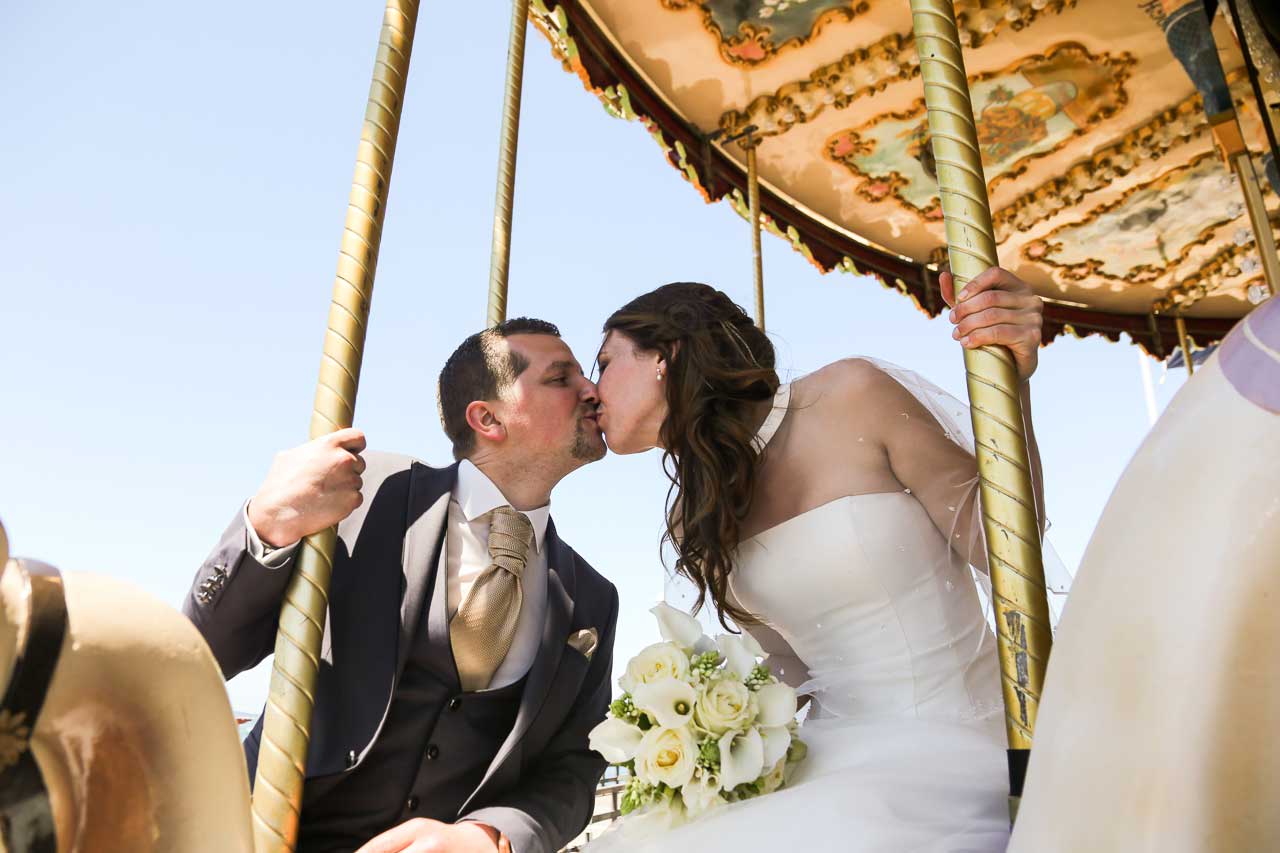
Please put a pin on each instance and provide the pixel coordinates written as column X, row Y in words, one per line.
column 659, row 374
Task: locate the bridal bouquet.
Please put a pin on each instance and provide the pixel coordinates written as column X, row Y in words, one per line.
column 701, row 723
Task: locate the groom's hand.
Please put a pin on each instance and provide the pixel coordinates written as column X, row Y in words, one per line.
column 310, row 487
column 997, row 307
column 422, row 835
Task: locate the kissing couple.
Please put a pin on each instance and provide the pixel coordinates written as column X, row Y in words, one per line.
column 468, row 648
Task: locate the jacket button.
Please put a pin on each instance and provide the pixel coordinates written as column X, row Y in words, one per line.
column 433, row 752
column 351, row 759
column 455, row 703
column 412, row 804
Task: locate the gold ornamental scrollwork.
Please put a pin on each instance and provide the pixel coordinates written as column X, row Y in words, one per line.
column 1222, row 270
column 1164, row 192
column 865, row 71
column 853, row 148
column 15, row 738
column 752, row 42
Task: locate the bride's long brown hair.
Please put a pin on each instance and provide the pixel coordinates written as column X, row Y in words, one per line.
column 719, row 365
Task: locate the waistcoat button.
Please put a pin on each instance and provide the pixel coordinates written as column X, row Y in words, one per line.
column 412, row 804
column 351, row 759
column 455, row 703
column 433, row 752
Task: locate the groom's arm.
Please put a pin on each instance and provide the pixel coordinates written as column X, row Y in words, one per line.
column 556, row 798
column 235, row 598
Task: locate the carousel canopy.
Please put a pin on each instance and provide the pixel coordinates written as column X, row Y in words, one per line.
column 1107, row 193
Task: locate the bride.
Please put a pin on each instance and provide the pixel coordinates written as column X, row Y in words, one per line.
column 834, row 520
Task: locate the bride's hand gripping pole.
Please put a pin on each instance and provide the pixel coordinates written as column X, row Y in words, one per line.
column 1008, row 506
column 286, row 731
column 504, row 198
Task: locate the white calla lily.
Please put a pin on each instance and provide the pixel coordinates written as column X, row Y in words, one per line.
column 617, row 740
column 776, row 740
column 670, row 701
column 741, row 651
column 677, row 627
column 776, row 704
column 741, row 758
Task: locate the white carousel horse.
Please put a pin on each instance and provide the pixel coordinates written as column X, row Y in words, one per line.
column 1160, row 719
column 134, row 743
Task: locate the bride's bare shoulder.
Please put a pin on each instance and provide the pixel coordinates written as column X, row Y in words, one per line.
column 843, row 383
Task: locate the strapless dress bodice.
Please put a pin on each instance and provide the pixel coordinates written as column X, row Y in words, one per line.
column 883, row 614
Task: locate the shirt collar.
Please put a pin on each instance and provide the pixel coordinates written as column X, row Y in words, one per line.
column 476, row 494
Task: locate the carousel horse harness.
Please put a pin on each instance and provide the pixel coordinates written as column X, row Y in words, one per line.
column 26, row 814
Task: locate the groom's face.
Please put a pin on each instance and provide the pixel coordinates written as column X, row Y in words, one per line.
column 549, row 412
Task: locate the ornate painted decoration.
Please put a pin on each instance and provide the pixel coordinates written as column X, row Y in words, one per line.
column 1236, row 262
column 1150, row 228
column 868, row 70
column 751, row 31
column 1072, row 128
column 1149, row 141
column 1025, row 111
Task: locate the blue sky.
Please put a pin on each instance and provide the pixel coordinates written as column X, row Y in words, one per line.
column 176, row 179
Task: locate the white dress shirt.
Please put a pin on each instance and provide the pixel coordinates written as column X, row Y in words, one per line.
column 467, row 555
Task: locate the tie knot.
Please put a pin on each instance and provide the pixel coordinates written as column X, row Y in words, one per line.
column 510, row 534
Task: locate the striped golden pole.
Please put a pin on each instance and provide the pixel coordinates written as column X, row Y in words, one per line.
column 1008, row 505
column 1251, row 186
column 753, row 202
column 504, row 198
column 277, row 791
column 1184, row 341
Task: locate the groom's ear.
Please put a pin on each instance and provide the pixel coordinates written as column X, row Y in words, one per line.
column 483, row 420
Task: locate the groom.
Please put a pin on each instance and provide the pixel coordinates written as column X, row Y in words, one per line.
column 467, row 650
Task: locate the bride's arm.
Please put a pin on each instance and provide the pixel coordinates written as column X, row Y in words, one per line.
column 782, row 661
column 937, row 471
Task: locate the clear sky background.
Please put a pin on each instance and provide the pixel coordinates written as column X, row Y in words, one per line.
column 175, row 180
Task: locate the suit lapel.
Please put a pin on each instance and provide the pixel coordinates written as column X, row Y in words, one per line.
column 423, row 557
column 561, row 582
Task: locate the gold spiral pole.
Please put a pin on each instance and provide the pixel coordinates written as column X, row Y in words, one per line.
column 1184, row 341
column 753, row 202
column 1008, row 505
column 282, row 759
column 504, row 198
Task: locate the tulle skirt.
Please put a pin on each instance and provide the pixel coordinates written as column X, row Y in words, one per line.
column 870, row 786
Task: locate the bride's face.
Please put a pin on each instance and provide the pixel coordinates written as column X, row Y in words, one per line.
column 633, row 401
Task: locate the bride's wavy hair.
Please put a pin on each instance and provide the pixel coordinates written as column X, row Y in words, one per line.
column 719, row 364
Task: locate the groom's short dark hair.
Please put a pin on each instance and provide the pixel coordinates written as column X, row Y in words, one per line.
column 480, row 370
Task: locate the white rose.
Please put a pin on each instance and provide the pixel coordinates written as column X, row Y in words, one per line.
column 667, row 756
column 776, row 741
column 617, row 740
column 741, row 758
column 774, row 778
column 677, row 627
column 661, row 660
column 777, row 704
column 725, row 705
column 741, row 651
column 701, row 795
column 668, row 700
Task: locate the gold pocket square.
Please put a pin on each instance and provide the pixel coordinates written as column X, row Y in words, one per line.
column 584, row 642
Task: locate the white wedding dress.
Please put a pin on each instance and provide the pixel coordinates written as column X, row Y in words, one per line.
column 905, row 734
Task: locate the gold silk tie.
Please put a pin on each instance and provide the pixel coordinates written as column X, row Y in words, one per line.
column 482, row 629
